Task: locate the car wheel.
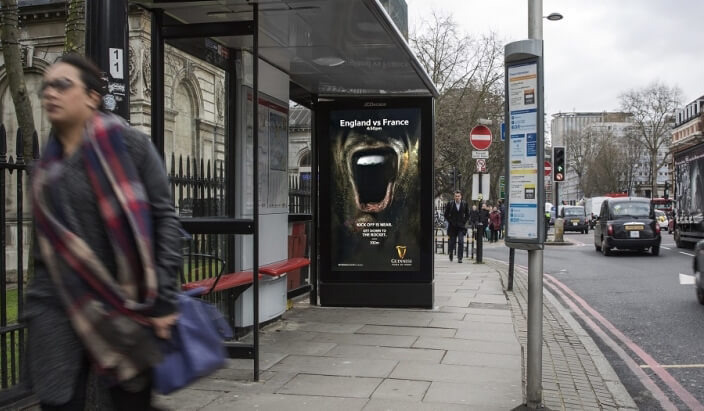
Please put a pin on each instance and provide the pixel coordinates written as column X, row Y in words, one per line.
column 604, row 249
column 679, row 243
column 700, row 295
column 655, row 250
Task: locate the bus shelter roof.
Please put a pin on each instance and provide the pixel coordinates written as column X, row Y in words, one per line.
column 328, row 47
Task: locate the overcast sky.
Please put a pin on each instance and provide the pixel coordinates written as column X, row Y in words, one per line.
column 600, row 49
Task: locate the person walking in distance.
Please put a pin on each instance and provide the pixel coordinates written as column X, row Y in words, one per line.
column 457, row 214
column 484, row 219
column 107, row 253
column 502, row 212
column 494, row 225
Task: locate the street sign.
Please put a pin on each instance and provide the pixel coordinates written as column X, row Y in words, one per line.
column 480, row 154
column 480, row 137
column 548, row 168
column 482, row 194
column 481, row 165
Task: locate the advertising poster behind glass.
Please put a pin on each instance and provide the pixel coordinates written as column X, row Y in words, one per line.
column 375, row 191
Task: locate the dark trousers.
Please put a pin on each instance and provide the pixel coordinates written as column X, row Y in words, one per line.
column 494, row 235
column 122, row 400
column 457, row 236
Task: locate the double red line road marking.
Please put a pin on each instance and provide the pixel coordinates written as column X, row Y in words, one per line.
column 605, row 329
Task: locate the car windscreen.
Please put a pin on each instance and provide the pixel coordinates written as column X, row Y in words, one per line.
column 574, row 211
column 630, row 210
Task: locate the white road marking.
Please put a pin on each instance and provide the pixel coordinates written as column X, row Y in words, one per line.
column 686, row 279
column 668, row 244
column 691, row 255
column 666, row 248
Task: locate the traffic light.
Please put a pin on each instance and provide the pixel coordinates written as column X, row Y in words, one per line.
column 558, row 158
column 666, row 194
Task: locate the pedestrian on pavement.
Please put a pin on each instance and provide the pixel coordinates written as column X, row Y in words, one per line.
column 107, row 250
column 484, row 219
column 502, row 212
column 474, row 219
column 457, row 215
column 494, row 224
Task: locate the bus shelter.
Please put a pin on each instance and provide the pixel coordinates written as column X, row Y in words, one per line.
column 372, row 139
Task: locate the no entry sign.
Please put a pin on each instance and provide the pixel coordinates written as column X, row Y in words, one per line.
column 548, row 168
column 480, row 137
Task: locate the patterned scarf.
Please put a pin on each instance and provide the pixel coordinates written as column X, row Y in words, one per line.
column 107, row 310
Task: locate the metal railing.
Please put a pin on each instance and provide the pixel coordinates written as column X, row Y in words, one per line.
column 14, row 176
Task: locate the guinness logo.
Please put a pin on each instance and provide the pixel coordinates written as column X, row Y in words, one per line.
column 401, row 250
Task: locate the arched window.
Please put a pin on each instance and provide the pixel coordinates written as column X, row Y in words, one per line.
column 305, row 160
column 185, row 137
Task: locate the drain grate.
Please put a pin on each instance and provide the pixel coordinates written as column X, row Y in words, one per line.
column 491, row 306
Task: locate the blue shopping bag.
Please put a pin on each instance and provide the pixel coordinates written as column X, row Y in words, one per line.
column 196, row 347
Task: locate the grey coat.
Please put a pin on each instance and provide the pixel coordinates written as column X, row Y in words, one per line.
column 55, row 354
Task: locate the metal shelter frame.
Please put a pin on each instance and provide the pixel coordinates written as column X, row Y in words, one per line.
column 217, row 225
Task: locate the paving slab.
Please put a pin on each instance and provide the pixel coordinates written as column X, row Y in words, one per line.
column 386, row 353
column 279, row 402
column 331, row 386
column 266, row 361
column 324, row 327
column 468, row 345
column 409, row 331
column 353, row 367
column 476, row 395
column 376, row 404
column 405, row 390
column 511, row 362
column 414, row 370
column 368, row 339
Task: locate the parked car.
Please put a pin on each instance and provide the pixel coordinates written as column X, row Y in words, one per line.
column 699, row 265
column 627, row 223
column 662, row 219
column 575, row 219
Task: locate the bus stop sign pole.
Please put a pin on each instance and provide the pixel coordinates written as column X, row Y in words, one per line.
column 525, row 163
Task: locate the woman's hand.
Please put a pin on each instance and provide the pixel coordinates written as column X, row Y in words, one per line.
column 162, row 325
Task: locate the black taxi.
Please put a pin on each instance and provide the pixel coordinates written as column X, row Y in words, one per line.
column 627, row 223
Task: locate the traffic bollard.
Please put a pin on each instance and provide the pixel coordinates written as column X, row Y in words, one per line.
column 480, row 239
column 511, row 257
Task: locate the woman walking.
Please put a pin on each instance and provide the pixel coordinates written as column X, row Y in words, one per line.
column 107, row 256
column 494, row 224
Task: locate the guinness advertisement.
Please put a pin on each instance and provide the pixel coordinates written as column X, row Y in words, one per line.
column 375, row 162
column 375, row 189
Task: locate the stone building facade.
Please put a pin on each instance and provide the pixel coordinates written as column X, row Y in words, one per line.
column 194, row 117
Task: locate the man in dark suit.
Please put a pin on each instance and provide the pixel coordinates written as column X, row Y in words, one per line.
column 456, row 215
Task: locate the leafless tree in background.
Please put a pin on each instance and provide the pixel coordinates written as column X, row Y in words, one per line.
column 468, row 72
column 652, row 109
column 9, row 36
column 76, row 27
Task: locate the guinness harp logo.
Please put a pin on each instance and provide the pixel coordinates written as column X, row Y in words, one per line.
column 401, row 250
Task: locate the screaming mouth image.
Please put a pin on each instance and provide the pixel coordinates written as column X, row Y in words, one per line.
column 373, row 171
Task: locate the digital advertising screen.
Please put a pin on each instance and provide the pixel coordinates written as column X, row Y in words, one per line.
column 375, row 190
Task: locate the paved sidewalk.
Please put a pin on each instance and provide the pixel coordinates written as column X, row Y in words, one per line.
column 576, row 375
column 463, row 355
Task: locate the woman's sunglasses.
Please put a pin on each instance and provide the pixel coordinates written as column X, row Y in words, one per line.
column 59, row 84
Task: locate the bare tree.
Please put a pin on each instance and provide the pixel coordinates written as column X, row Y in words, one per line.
column 9, row 35
column 652, row 109
column 468, row 72
column 580, row 152
column 606, row 171
column 76, row 27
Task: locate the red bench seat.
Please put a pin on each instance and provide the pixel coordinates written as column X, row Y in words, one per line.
column 227, row 281
column 284, row 266
column 233, row 280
